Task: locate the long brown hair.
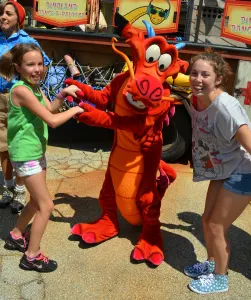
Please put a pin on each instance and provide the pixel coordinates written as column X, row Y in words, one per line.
column 14, row 57
column 219, row 65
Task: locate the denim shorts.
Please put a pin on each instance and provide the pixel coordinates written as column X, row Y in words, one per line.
column 31, row 167
column 239, row 184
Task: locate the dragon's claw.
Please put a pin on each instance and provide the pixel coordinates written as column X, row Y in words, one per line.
column 89, row 237
column 76, row 229
column 156, row 258
column 149, row 252
column 138, row 255
column 96, row 232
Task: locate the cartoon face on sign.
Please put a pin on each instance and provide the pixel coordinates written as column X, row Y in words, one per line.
column 158, row 15
column 163, row 15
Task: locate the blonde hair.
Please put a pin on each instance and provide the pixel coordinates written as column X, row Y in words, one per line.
column 14, row 57
column 219, row 65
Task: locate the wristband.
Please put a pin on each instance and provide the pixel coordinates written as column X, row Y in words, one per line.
column 60, row 96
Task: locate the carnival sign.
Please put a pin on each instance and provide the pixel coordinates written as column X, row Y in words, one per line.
column 61, row 13
column 236, row 22
column 163, row 15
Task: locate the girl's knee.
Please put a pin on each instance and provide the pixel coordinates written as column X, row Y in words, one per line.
column 215, row 229
column 47, row 207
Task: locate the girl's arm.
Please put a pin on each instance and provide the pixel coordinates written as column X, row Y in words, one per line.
column 21, row 96
column 57, row 103
column 243, row 136
column 104, row 98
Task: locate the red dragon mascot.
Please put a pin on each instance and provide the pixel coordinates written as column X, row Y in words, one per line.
column 141, row 103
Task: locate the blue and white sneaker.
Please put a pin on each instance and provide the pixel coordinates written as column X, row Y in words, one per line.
column 211, row 283
column 199, row 269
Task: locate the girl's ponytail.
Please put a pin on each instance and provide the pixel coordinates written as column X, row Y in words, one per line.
column 7, row 67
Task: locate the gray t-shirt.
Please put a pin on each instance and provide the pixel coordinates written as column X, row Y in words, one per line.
column 216, row 153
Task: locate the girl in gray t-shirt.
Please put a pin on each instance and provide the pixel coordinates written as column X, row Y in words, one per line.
column 221, row 154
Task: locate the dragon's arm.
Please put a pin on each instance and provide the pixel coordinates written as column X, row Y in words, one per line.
column 95, row 117
column 100, row 98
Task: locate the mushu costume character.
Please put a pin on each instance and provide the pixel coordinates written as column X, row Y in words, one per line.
column 141, row 103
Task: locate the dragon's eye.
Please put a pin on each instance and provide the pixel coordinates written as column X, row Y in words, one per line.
column 164, row 62
column 152, row 53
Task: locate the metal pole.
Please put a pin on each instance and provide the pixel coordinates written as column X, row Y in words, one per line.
column 189, row 20
column 197, row 29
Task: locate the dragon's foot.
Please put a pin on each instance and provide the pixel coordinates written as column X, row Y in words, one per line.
column 146, row 250
column 96, row 232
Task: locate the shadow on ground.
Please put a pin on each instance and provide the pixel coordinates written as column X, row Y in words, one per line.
column 87, row 210
column 179, row 251
column 240, row 245
column 7, row 222
column 7, row 219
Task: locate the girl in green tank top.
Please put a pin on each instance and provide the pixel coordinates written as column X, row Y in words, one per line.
column 29, row 114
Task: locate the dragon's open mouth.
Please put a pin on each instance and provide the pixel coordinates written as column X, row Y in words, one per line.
column 137, row 104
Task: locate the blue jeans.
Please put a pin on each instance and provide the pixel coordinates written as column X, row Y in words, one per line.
column 239, row 184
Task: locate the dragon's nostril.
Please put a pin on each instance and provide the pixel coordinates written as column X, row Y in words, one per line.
column 150, row 87
column 156, row 94
column 143, row 86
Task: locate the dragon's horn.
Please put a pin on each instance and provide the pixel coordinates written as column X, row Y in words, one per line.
column 120, row 23
column 180, row 46
column 149, row 29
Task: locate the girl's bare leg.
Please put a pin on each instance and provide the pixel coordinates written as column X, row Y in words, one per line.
column 36, row 185
column 227, row 209
column 7, row 168
column 6, row 165
column 19, row 180
column 212, row 194
column 27, row 214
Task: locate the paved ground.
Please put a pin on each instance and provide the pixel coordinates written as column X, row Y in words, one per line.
column 104, row 272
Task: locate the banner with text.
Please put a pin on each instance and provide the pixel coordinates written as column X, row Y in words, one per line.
column 163, row 15
column 236, row 22
column 62, row 13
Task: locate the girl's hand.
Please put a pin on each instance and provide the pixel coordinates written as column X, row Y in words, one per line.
column 78, row 110
column 70, row 91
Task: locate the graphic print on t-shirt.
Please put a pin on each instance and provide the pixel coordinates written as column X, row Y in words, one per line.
column 205, row 151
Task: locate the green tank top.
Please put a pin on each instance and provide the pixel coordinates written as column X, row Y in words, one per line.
column 27, row 133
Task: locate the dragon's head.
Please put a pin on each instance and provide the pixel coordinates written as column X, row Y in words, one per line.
column 153, row 61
